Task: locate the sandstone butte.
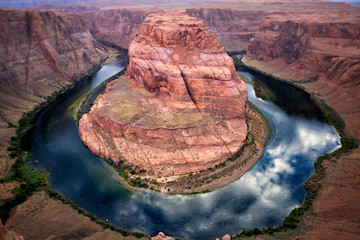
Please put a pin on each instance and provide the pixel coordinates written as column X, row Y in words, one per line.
column 181, row 106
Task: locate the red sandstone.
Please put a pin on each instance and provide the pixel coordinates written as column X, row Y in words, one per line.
column 181, row 110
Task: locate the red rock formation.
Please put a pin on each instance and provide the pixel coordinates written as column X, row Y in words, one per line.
column 161, row 236
column 326, row 49
column 9, row 235
column 41, row 51
column 181, row 110
column 117, row 26
column 307, row 47
column 234, row 23
column 321, row 48
column 181, row 59
column 233, row 27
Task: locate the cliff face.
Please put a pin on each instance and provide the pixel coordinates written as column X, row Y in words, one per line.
column 234, row 23
column 233, row 28
column 323, row 49
column 180, row 109
column 41, row 51
column 181, row 59
column 118, row 26
column 5, row 234
column 326, row 50
column 307, row 47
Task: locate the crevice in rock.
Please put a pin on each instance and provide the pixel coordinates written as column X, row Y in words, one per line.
column 188, row 90
column 142, row 150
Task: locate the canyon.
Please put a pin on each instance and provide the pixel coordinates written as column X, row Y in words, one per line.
column 42, row 52
column 181, row 107
column 321, row 55
column 324, row 56
column 234, row 23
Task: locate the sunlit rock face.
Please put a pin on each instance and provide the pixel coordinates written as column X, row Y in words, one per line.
column 181, row 107
column 309, row 48
column 180, row 58
column 40, row 52
column 322, row 50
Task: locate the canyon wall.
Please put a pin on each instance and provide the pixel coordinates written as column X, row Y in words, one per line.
column 181, row 107
column 233, row 23
column 321, row 53
column 233, row 28
column 307, row 47
column 41, row 52
column 117, row 26
column 320, row 50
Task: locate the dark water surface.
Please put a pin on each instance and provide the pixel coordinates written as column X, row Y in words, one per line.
column 262, row 197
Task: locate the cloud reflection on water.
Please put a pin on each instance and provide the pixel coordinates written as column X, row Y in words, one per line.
column 263, row 196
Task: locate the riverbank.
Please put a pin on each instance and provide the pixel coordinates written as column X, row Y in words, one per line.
column 226, row 172
column 25, row 200
column 205, row 180
column 324, row 214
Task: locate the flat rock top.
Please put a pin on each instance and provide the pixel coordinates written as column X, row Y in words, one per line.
column 317, row 18
column 127, row 103
column 176, row 29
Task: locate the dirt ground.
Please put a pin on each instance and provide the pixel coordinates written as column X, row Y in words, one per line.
column 41, row 217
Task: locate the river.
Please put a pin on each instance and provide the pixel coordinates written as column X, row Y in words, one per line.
column 264, row 196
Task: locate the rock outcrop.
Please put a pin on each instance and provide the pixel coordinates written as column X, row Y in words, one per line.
column 161, row 236
column 41, row 52
column 233, row 27
column 9, row 235
column 181, row 107
column 234, row 23
column 116, row 26
column 322, row 51
column 308, row 47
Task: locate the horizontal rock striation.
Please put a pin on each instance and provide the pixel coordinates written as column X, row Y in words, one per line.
column 308, row 47
column 181, row 107
column 322, row 50
column 181, row 59
column 41, row 52
column 116, row 26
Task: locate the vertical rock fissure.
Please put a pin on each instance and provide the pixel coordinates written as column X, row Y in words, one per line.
column 142, row 150
column 188, row 90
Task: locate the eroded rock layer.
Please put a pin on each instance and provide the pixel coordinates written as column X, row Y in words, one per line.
column 322, row 51
column 41, row 52
column 180, row 108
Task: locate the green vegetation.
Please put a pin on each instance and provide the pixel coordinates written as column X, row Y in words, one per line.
column 245, row 79
column 225, row 168
column 237, row 59
column 75, row 106
column 88, row 102
column 124, row 169
column 312, row 185
column 113, row 45
column 32, row 180
column 234, row 53
column 55, row 195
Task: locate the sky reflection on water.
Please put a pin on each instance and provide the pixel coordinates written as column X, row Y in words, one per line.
column 262, row 197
